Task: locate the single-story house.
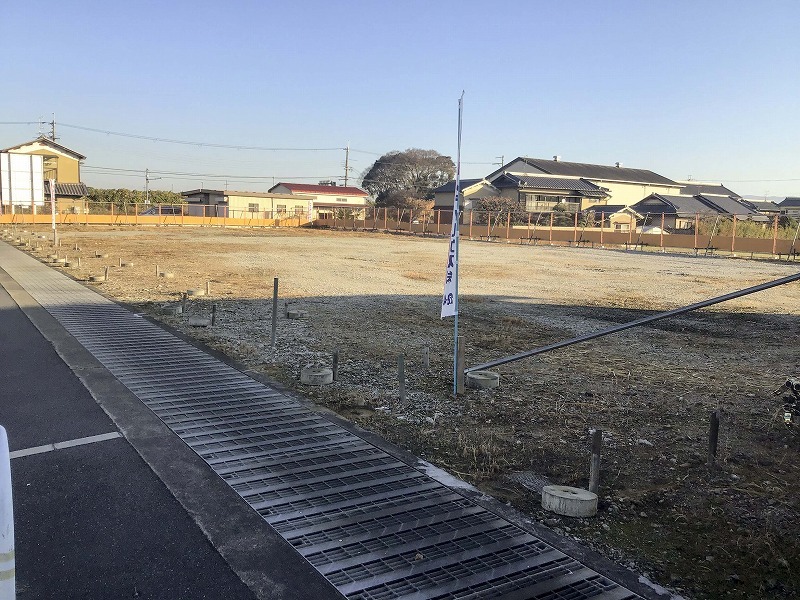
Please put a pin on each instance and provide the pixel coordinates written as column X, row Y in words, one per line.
column 615, row 216
column 259, row 205
column 765, row 207
column 680, row 211
column 327, row 198
column 790, row 206
column 471, row 190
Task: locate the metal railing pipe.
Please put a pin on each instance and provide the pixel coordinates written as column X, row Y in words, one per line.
column 7, row 562
column 636, row 323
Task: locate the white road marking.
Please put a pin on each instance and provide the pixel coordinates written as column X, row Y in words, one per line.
column 68, row 444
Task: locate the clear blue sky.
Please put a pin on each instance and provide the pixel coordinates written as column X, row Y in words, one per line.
column 707, row 89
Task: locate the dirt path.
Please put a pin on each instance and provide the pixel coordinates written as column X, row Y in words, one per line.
column 728, row 531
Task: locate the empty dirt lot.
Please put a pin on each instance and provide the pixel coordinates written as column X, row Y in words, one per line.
column 728, row 531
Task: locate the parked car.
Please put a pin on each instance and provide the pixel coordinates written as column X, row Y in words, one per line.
column 166, row 209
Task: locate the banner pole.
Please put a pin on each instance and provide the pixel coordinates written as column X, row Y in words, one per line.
column 450, row 295
column 457, row 218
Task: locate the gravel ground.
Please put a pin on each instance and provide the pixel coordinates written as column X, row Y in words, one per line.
column 727, row 531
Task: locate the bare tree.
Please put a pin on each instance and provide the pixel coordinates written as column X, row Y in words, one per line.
column 407, row 178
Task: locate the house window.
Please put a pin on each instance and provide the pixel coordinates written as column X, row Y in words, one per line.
column 50, row 166
column 341, row 199
column 280, row 209
column 252, row 207
column 299, row 211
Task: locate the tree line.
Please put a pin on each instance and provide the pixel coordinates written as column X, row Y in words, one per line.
column 101, row 200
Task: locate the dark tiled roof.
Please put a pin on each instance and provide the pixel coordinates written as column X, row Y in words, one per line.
column 67, row 189
column 673, row 205
column 602, row 172
column 693, row 189
column 450, row 186
column 699, row 204
column 761, row 205
column 606, row 209
column 789, row 201
column 305, row 188
column 728, row 205
column 568, row 184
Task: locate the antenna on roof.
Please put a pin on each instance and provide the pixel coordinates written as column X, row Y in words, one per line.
column 53, row 128
column 556, row 157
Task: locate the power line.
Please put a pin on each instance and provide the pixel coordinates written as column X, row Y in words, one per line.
column 97, row 169
column 194, row 143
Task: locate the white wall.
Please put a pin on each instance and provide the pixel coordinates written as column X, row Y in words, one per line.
column 21, row 179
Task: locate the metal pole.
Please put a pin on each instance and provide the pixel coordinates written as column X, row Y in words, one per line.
column 457, row 226
column 460, row 366
column 7, row 577
column 636, row 323
column 274, row 311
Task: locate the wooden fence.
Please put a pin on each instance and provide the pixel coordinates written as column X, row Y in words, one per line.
column 537, row 228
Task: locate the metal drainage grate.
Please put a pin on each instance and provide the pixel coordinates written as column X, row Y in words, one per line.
column 374, row 526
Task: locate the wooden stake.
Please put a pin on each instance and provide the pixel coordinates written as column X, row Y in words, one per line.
column 213, row 314
column 274, row 311
column 594, row 469
column 335, row 366
column 401, row 376
column 426, row 356
column 713, row 438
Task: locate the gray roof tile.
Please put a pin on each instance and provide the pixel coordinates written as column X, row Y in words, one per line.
column 602, row 172
column 585, row 188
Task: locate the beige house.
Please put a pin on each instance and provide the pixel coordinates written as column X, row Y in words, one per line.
column 471, row 190
column 540, row 185
column 63, row 165
column 328, row 199
column 233, row 204
column 621, row 185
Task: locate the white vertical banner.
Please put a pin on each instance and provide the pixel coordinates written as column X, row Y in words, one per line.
column 449, row 299
column 53, row 203
column 450, row 296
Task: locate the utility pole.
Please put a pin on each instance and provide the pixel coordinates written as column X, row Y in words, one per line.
column 346, row 164
column 147, row 180
column 53, row 128
column 502, row 160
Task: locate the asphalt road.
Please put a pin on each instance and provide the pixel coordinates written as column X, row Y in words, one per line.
column 94, row 520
